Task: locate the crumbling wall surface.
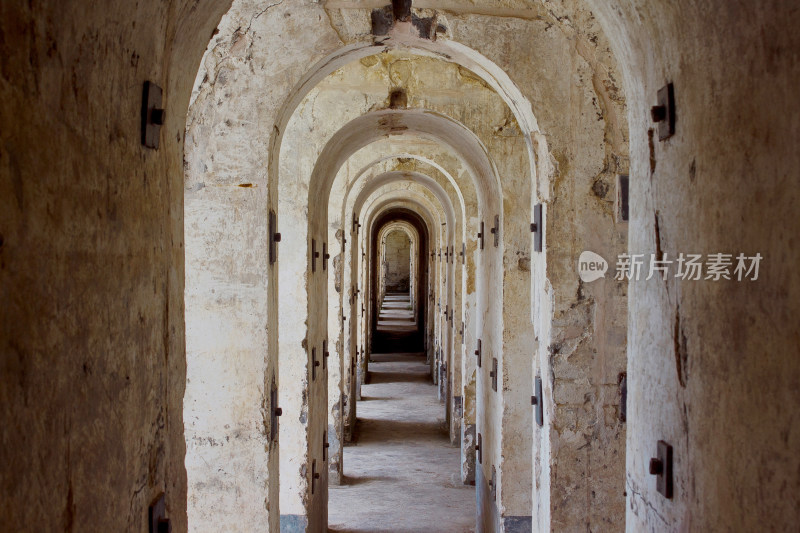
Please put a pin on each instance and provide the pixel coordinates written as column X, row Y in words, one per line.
column 713, row 366
column 91, row 275
column 397, row 262
column 231, row 316
column 578, row 457
column 578, row 453
column 251, row 65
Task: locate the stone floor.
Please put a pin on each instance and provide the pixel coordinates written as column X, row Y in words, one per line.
column 401, row 473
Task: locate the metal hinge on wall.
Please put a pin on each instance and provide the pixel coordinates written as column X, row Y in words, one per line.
column 661, row 467
column 275, row 411
column 314, row 364
column 274, row 236
column 314, row 255
column 157, row 516
column 496, row 231
column 664, row 112
column 537, row 228
column 314, row 474
column 537, row 401
column 152, row 114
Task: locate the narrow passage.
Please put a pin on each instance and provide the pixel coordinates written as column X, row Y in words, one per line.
column 401, row 473
column 397, row 330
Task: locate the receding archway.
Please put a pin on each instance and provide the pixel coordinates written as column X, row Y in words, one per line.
column 385, row 341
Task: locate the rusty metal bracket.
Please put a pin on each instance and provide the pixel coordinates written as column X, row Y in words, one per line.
column 661, row 467
column 325, row 446
column 152, row 114
column 274, row 236
column 623, row 204
column 275, row 411
column 314, row 255
column 493, row 374
column 480, row 235
column 401, row 9
column 496, row 231
column 664, row 113
column 537, row 228
column 538, row 401
column 479, row 449
column 157, row 516
column 478, row 353
column 325, row 256
column 314, row 474
column 314, row 363
column 325, row 354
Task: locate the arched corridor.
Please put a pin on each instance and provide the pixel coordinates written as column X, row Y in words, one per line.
column 399, row 265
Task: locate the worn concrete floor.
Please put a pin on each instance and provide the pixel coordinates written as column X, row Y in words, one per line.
column 401, row 473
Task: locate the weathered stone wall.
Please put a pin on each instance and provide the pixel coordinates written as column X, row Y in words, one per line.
column 397, row 262
column 713, row 366
column 91, row 261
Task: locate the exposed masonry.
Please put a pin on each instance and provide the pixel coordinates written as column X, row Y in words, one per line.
column 396, row 262
column 145, row 321
column 472, row 288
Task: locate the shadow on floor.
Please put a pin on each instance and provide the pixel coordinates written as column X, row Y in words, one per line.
column 387, row 341
column 377, row 376
column 396, row 331
column 402, row 475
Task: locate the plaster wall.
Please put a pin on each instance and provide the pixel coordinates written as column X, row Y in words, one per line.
column 68, row 254
column 91, row 261
column 396, row 258
column 510, row 149
column 713, row 366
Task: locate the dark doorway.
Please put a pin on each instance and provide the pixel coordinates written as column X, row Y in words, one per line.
column 396, row 326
